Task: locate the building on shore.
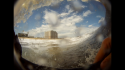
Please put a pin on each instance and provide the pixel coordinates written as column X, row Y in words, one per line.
column 51, row 35
column 22, row 35
column 31, row 36
column 38, row 37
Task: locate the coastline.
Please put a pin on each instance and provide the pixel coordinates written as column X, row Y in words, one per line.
column 38, row 38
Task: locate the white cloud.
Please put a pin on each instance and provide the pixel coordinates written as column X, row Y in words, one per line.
column 89, row 25
column 65, row 27
column 77, row 5
column 72, row 19
column 101, row 20
column 84, row 0
column 66, row 13
column 55, row 3
column 67, row 7
column 86, row 21
column 83, row 6
column 63, row 31
column 89, row 0
column 52, row 18
column 98, row 16
column 86, row 30
column 97, row 0
column 88, row 12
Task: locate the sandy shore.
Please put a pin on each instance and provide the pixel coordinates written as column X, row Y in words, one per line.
column 36, row 38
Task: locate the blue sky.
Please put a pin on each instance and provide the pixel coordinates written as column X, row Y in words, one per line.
column 65, row 17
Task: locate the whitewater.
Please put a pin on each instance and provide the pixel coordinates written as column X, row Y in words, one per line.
column 60, row 53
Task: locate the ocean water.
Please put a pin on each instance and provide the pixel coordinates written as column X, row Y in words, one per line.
column 60, row 53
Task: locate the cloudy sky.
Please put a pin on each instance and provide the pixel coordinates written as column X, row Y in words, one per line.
column 68, row 18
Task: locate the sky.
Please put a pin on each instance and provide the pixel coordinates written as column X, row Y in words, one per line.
column 67, row 18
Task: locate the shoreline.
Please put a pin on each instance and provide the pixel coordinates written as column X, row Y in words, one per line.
column 37, row 38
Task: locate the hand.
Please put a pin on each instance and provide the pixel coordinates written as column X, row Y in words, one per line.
column 105, row 54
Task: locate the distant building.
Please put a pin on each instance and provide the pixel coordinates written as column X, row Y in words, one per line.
column 51, row 34
column 31, row 36
column 38, row 37
column 22, row 35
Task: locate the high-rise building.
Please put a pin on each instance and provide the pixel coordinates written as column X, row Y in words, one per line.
column 51, row 34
